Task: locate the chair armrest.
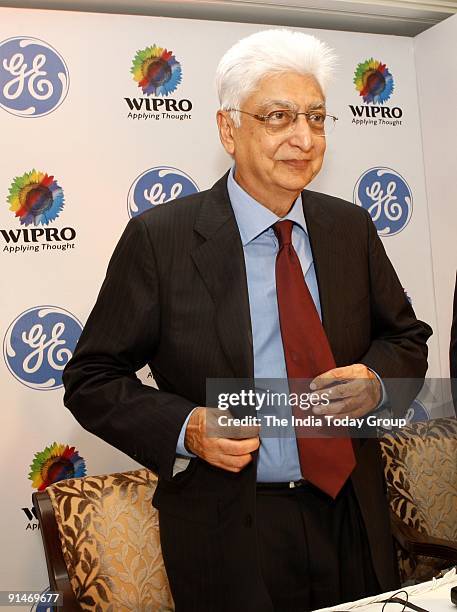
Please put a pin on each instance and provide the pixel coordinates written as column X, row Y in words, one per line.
column 418, row 543
column 57, row 569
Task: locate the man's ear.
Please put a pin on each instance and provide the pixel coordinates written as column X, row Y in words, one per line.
column 226, row 131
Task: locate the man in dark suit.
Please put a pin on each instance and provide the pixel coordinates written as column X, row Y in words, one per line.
column 255, row 277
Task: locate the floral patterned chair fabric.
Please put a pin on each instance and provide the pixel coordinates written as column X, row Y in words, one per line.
column 109, row 534
column 420, row 466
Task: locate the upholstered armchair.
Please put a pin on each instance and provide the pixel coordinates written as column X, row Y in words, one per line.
column 101, row 533
column 420, row 466
column 101, row 539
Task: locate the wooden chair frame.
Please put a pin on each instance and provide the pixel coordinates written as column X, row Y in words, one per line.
column 59, row 579
column 417, row 543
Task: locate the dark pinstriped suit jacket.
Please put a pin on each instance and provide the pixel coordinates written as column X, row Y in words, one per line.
column 175, row 297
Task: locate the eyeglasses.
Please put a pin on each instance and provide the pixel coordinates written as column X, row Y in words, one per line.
column 283, row 121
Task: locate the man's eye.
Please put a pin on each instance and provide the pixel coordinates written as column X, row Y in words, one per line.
column 316, row 118
column 278, row 116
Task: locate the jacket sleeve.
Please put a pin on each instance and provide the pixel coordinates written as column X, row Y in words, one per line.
column 398, row 351
column 121, row 335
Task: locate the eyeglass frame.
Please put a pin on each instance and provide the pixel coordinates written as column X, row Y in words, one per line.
column 264, row 118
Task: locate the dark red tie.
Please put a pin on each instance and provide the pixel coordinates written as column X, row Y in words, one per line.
column 326, row 462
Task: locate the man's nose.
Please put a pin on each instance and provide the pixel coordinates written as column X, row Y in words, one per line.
column 302, row 135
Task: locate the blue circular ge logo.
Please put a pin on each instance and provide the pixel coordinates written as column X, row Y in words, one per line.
column 417, row 412
column 157, row 186
column 387, row 197
column 38, row 345
column 34, row 79
column 46, row 604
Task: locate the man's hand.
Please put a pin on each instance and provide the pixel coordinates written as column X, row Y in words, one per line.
column 226, row 453
column 353, row 390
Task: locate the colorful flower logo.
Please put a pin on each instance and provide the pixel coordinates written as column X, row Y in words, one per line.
column 36, row 198
column 373, row 81
column 54, row 463
column 156, row 71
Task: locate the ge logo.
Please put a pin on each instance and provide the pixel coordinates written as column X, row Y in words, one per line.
column 38, row 345
column 157, row 186
column 417, row 412
column 387, row 197
column 33, row 77
column 44, row 606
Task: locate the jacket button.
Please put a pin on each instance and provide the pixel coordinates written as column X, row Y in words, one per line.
column 248, row 520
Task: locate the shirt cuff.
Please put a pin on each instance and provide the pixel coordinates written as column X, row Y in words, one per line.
column 384, row 399
column 180, row 448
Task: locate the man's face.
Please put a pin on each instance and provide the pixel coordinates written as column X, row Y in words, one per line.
column 276, row 167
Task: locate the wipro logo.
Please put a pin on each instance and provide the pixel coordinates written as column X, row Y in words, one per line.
column 375, row 85
column 158, row 74
column 36, row 199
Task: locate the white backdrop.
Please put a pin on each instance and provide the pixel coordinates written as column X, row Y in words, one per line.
column 436, row 67
column 94, row 151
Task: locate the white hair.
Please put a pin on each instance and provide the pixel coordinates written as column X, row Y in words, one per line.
column 268, row 52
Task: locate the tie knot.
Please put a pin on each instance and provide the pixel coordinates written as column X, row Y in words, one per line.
column 283, row 231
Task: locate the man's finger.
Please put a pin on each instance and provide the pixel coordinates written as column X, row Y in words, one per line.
column 232, row 432
column 340, row 407
column 330, row 377
column 351, row 388
column 233, row 463
column 238, row 447
column 358, row 412
column 237, row 462
column 220, row 425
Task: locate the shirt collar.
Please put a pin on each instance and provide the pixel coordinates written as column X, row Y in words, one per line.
column 252, row 217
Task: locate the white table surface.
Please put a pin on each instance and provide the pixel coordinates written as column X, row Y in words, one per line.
column 434, row 596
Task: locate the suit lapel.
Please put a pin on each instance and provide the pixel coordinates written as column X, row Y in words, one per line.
column 220, row 261
column 329, row 280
